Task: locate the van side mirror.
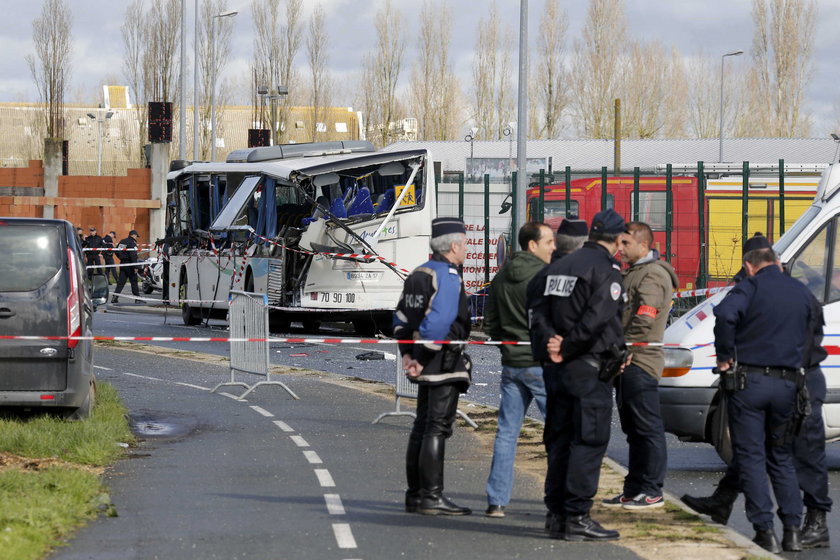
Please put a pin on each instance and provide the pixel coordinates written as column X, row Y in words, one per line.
column 99, row 290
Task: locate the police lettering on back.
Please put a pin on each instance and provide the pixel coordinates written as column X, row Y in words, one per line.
column 559, row 285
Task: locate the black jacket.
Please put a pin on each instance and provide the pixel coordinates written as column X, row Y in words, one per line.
column 433, row 306
column 585, row 303
column 128, row 256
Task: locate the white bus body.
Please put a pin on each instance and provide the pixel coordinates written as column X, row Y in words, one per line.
column 810, row 252
column 326, row 230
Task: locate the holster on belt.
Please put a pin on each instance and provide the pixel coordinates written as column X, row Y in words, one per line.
column 801, row 411
column 611, row 362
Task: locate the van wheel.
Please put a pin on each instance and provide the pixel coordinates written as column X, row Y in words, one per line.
column 86, row 408
column 720, row 436
column 188, row 315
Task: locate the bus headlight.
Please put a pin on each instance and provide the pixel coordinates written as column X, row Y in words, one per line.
column 678, row 362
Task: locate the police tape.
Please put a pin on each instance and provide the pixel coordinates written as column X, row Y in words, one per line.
column 700, row 292
column 352, row 256
column 309, row 340
column 141, row 263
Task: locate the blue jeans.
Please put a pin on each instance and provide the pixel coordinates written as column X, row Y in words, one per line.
column 519, row 387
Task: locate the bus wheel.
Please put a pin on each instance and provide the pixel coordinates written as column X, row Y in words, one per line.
column 188, row 315
column 364, row 327
column 279, row 322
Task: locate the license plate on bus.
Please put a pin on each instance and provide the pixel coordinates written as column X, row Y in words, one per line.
column 364, row 275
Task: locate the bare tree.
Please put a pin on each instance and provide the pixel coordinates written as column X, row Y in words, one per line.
column 645, row 91
column 596, row 66
column 151, row 35
column 434, row 86
column 50, row 65
column 549, row 79
column 675, row 107
column 484, row 74
column 783, row 45
column 276, row 45
column 321, row 83
column 387, row 64
column 505, row 90
column 703, row 95
column 214, row 37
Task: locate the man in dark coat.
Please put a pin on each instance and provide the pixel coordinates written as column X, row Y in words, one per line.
column 128, row 255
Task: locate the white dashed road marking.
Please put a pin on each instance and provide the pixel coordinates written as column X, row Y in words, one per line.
column 312, row 457
column 142, row 376
column 190, row 385
column 262, row 411
column 325, row 479
column 228, row 395
column 343, row 535
column 283, row 426
column 299, row 441
column 103, row 368
column 334, row 505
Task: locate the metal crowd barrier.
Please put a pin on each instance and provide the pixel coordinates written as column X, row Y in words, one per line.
column 405, row 389
column 248, row 319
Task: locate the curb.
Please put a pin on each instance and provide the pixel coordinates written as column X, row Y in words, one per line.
column 733, row 535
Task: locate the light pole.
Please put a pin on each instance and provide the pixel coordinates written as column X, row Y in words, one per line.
column 722, row 59
column 100, row 120
column 470, row 137
column 508, row 131
column 182, row 109
column 273, row 97
column 195, row 84
column 213, row 30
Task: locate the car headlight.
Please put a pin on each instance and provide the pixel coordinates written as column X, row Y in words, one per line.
column 678, row 362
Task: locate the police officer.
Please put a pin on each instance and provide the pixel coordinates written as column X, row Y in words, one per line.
column 763, row 323
column 92, row 243
column 433, row 306
column 108, row 256
column 128, row 255
column 808, row 447
column 578, row 348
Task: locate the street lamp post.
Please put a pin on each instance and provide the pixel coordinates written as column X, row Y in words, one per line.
column 214, row 30
column 508, row 131
column 100, row 120
column 722, row 59
column 273, row 97
column 195, row 84
column 470, row 137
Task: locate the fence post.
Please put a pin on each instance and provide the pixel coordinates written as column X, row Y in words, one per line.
column 669, row 209
column 745, row 202
column 636, row 175
column 701, row 215
column 542, row 195
column 461, row 196
column 486, row 228
column 781, row 197
column 515, row 204
column 569, row 191
column 603, row 188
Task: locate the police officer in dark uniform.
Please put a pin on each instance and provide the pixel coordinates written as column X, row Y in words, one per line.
column 433, row 306
column 808, row 447
column 108, row 257
column 763, row 325
column 92, row 243
column 581, row 352
column 128, row 255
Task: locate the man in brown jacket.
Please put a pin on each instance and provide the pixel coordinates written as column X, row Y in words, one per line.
column 649, row 283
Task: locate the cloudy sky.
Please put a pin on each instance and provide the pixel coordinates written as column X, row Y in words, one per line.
column 693, row 26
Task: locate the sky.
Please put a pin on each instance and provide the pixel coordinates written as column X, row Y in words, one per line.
column 693, row 26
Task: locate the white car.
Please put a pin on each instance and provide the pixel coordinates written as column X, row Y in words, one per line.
column 810, row 252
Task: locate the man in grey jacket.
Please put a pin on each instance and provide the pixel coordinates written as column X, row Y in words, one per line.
column 506, row 318
column 649, row 283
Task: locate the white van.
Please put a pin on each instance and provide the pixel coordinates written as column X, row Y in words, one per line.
column 810, row 252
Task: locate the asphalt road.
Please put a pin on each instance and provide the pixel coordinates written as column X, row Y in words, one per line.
column 275, row 478
column 693, row 468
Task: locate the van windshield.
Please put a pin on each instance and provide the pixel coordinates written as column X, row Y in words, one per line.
column 29, row 256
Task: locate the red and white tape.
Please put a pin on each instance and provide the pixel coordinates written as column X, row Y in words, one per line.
column 353, row 256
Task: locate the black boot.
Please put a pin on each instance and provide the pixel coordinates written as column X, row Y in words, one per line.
column 555, row 525
column 791, row 541
column 412, row 475
column 718, row 506
column 432, row 500
column 815, row 530
column 584, row 528
column 766, row 539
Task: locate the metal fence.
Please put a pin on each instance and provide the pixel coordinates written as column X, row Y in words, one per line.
column 700, row 213
column 405, row 389
column 249, row 345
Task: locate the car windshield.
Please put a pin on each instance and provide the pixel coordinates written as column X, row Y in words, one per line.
column 31, row 255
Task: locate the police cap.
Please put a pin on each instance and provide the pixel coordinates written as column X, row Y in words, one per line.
column 573, row 228
column 608, row 221
column 757, row 241
column 443, row 226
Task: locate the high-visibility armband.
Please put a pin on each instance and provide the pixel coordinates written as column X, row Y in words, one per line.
column 647, row 310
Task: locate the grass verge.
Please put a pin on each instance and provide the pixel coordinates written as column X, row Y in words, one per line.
column 50, row 474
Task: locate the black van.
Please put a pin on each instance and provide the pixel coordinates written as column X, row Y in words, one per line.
column 45, row 292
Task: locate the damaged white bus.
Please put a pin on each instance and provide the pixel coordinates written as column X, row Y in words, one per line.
column 328, row 231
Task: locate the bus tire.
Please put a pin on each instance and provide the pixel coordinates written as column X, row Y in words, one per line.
column 279, row 322
column 311, row 325
column 188, row 314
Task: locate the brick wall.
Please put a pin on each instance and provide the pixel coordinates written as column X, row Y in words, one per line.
column 111, row 209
